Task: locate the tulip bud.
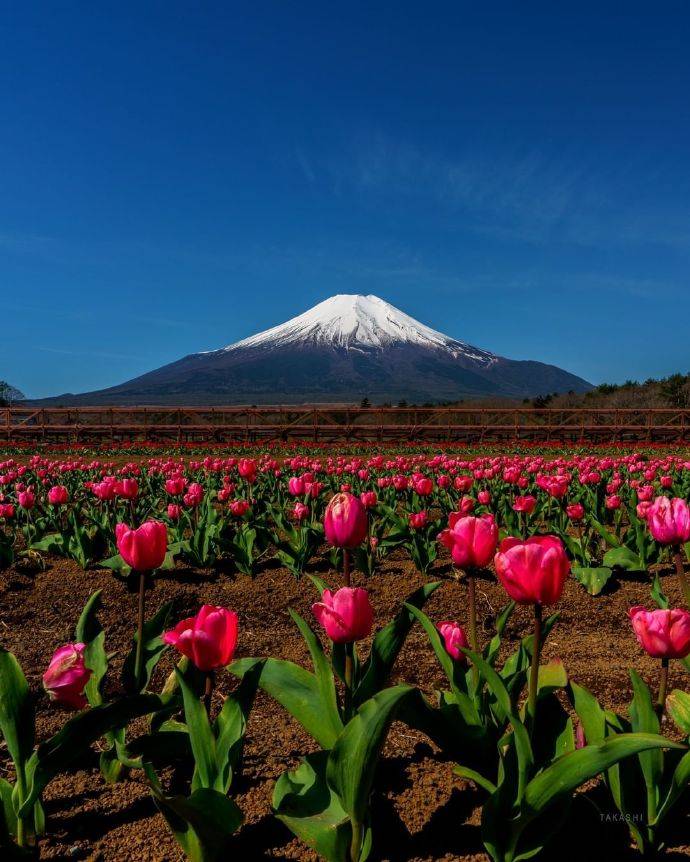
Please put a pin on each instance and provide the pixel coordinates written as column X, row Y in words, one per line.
column 67, row 676
column 143, row 549
column 345, row 521
column 454, row 639
column 346, row 615
column 532, row 571
column 662, row 633
column 669, row 521
column 208, row 640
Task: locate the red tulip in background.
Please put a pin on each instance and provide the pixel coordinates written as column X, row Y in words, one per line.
column 174, row 511
column 67, row 676
column 239, row 508
column 208, row 640
column 369, row 499
column 58, row 495
column 575, row 511
column 345, row 615
column 143, row 549
column 26, row 499
column 471, row 541
column 525, row 504
column 175, row 486
column 345, row 521
column 532, row 571
column 7, row 511
column 454, row 639
column 418, row 520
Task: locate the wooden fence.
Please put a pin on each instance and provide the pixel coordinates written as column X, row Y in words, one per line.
column 226, row 424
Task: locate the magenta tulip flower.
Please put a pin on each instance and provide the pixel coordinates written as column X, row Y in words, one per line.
column 669, row 521
column 58, row 495
column 345, row 521
column 533, row 572
column 662, row 633
column 143, row 549
column 471, row 541
column 454, row 639
column 208, row 640
column 345, row 615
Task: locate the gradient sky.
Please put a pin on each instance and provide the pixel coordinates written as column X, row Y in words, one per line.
column 176, row 176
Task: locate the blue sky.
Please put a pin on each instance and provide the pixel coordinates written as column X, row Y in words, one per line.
column 176, row 176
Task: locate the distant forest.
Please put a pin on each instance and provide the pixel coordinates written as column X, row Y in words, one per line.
column 673, row 391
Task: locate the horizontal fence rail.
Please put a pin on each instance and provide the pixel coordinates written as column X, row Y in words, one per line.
column 227, row 424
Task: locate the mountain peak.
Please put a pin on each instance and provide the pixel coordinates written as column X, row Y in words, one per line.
column 358, row 322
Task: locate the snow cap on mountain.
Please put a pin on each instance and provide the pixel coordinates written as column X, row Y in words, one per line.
column 357, row 322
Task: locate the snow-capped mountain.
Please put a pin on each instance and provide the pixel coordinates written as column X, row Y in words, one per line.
column 358, row 323
column 341, row 350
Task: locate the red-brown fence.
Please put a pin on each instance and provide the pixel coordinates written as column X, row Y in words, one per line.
column 220, row 424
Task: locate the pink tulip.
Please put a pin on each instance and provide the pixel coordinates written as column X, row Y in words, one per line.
column 613, row 501
column 67, row 676
column 454, row 639
column 208, row 640
column 669, row 521
column 143, row 549
column 296, row 486
column 194, row 495
column 532, row 571
column 299, row 512
column 471, row 541
column 346, row 615
column 369, row 499
column 345, row 521
column 662, row 633
column 484, row 498
column 7, row 511
column 58, row 495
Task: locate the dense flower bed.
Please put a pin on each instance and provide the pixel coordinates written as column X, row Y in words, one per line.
column 517, row 727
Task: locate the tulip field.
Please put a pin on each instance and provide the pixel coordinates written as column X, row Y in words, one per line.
column 336, row 654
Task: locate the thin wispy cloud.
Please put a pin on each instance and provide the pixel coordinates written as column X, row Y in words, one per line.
column 513, row 193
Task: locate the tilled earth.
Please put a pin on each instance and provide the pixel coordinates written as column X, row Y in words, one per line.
column 422, row 811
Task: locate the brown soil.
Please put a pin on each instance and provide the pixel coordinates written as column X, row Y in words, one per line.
column 422, row 811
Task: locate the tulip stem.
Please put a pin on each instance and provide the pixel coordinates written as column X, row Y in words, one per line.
column 682, row 577
column 356, row 845
column 346, row 567
column 663, row 686
column 349, row 668
column 139, row 659
column 208, row 691
column 472, row 609
column 534, row 669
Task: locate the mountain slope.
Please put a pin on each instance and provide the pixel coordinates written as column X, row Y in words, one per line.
column 339, row 351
